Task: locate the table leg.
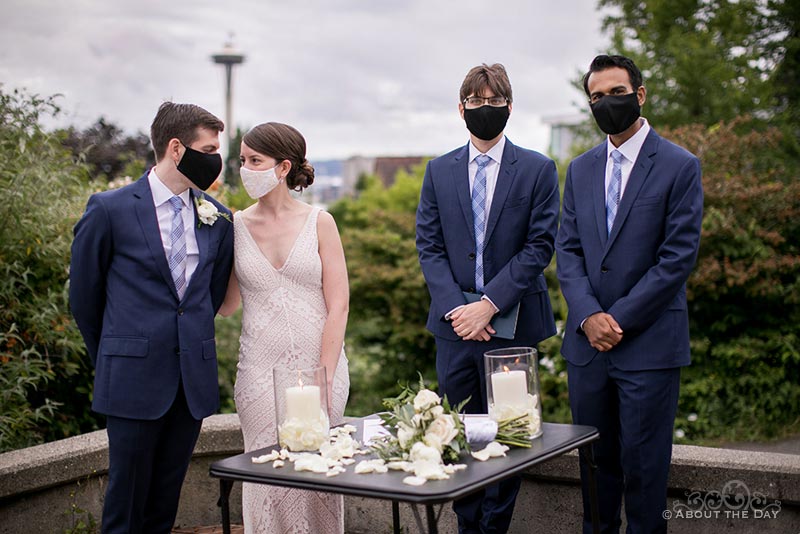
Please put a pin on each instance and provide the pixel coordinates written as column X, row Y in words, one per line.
column 591, row 470
column 396, row 517
column 433, row 527
column 225, row 487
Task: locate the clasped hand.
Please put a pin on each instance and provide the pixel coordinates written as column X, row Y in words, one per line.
column 471, row 321
column 602, row 331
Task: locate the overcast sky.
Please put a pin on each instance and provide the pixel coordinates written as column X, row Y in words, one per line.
column 367, row 77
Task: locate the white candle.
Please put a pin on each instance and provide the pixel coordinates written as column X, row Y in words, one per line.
column 302, row 402
column 510, row 387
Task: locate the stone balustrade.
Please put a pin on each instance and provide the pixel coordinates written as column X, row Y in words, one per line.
column 50, row 487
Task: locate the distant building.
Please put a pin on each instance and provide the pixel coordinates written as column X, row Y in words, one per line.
column 563, row 130
column 384, row 167
column 327, row 187
column 352, row 169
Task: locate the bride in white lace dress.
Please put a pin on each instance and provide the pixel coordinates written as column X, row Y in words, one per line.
column 291, row 277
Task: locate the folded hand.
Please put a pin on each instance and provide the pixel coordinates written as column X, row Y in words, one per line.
column 602, row 331
column 471, row 322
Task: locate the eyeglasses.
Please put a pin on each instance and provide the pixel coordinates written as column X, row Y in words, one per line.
column 477, row 101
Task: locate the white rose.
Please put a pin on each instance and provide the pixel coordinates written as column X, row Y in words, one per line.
column 424, row 453
column 436, row 411
column 207, row 212
column 405, row 434
column 444, row 428
column 432, row 440
column 425, row 399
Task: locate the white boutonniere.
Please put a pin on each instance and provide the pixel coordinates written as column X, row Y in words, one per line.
column 207, row 212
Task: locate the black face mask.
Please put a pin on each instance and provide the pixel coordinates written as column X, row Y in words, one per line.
column 201, row 168
column 615, row 113
column 486, row 122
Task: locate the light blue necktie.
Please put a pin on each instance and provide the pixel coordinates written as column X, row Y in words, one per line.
column 177, row 255
column 614, row 187
column 479, row 216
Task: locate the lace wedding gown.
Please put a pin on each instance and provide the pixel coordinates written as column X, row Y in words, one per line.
column 283, row 316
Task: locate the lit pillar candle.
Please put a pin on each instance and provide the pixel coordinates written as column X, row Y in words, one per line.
column 510, row 387
column 302, row 402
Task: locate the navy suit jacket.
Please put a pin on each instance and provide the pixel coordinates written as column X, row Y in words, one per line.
column 143, row 341
column 520, row 235
column 638, row 273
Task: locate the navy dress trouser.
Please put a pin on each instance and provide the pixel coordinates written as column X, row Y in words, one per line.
column 148, row 461
column 634, row 412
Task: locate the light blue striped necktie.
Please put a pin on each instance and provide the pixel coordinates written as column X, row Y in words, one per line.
column 177, row 255
column 479, row 216
column 614, row 188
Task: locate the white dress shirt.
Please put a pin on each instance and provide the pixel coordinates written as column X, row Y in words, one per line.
column 161, row 196
column 630, row 151
column 492, row 169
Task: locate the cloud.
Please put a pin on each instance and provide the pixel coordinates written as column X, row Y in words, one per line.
column 355, row 76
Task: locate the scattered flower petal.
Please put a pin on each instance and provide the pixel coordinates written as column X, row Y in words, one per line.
column 492, row 450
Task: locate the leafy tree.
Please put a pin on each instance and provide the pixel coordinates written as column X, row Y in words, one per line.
column 45, row 379
column 108, row 152
column 706, row 60
column 744, row 294
column 386, row 337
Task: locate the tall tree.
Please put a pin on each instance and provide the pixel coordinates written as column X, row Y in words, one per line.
column 709, row 60
column 108, row 151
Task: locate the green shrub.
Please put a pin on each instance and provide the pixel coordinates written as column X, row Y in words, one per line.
column 44, row 377
column 744, row 381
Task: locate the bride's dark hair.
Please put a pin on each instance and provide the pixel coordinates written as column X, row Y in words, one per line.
column 282, row 142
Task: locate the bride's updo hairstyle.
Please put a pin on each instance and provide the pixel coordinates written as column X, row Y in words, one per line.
column 282, row 142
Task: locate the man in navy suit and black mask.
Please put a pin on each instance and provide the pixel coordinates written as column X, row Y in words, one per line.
column 150, row 266
column 629, row 235
column 486, row 226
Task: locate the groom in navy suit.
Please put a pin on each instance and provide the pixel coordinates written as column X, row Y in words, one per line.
column 629, row 235
column 486, row 224
column 150, row 266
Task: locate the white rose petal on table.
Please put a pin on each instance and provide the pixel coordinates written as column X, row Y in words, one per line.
column 492, row 450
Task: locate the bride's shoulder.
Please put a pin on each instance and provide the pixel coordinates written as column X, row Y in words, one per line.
column 246, row 213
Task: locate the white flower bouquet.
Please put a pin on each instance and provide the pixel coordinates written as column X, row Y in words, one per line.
column 517, row 424
column 422, row 427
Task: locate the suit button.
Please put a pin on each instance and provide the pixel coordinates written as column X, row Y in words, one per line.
column 180, row 311
column 177, row 351
column 471, row 255
column 471, row 290
column 603, row 269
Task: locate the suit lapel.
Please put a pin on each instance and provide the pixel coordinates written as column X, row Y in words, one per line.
column 202, row 235
column 505, row 179
column 599, row 191
column 461, row 187
column 639, row 173
column 148, row 221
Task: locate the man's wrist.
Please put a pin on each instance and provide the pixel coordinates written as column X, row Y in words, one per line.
column 487, row 299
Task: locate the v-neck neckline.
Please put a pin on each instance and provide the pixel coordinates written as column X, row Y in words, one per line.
column 291, row 251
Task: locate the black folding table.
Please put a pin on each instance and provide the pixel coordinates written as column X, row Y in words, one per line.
column 556, row 440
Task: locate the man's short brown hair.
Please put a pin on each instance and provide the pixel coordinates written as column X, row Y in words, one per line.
column 181, row 121
column 479, row 78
